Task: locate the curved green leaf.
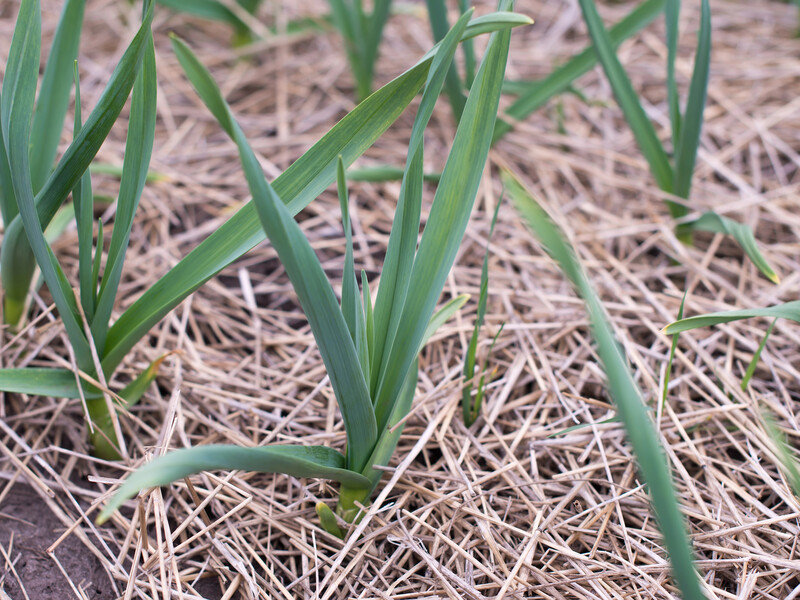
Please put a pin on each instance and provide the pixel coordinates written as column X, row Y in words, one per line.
column 714, row 223
column 623, row 389
column 36, row 381
column 297, row 461
column 789, row 310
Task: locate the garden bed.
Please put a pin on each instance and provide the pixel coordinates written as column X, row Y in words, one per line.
column 503, row 508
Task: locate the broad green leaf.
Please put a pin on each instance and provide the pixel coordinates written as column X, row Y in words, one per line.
column 714, row 223
column 622, row 387
column 380, row 174
column 138, row 150
column 303, row 181
column 538, row 92
column 447, row 221
column 640, row 125
column 51, row 107
column 297, row 461
column 313, row 290
column 36, row 381
column 395, row 275
column 789, row 310
column 692, row 123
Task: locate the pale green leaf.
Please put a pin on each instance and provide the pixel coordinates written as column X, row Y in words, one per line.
column 297, row 461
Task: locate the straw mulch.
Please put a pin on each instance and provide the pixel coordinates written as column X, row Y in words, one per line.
column 505, row 509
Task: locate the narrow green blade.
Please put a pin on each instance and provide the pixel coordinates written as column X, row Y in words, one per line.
column 16, row 111
column 305, row 272
column 395, row 276
column 642, row 128
column 786, row 456
column 789, row 310
column 297, row 461
column 346, row 21
column 672, row 348
column 213, row 10
column 350, row 305
column 385, row 173
column 437, row 15
column 369, row 318
column 51, row 107
column 352, row 310
column 138, row 150
column 690, row 128
column 447, row 221
column 623, row 389
column 537, row 93
column 470, row 411
column 442, row 316
column 751, row 368
column 671, row 14
column 714, row 223
column 83, row 202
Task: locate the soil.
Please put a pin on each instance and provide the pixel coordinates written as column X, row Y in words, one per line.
column 27, row 529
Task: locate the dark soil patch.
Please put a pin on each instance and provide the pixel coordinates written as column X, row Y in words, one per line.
column 27, row 519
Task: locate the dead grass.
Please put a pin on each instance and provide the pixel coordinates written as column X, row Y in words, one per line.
column 502, row 509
